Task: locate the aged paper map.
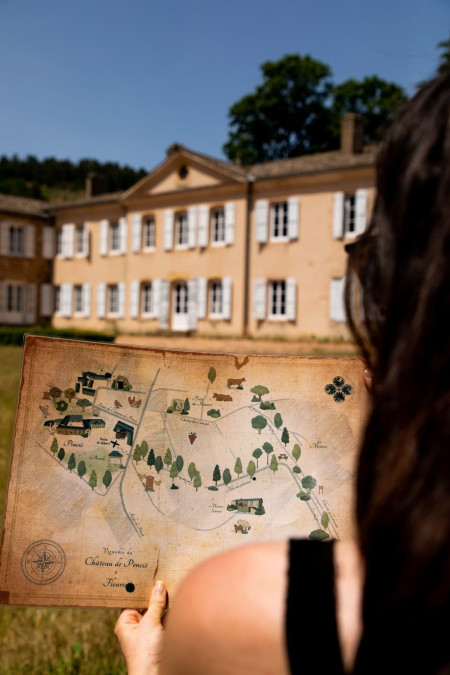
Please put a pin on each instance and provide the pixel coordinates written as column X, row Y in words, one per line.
column 130, row 464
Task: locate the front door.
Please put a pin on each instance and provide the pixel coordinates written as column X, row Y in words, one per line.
column 180, row 307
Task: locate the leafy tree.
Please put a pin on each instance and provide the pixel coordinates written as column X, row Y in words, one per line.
column 81, row 468
column 158, row 463
column 216, row 474
column 83, row 403
column 259, row 422
column 173, row 471
column 55, row 392
column 287, row 114
column 151, row 458
column 226, row 477
column 257, row 454
column 297, row 469
column 274, row 463
column 296, row 452
column 285, row 436
column 71, row 464
column 212, row 374
column 93, row 479
column 444, row 58
column 54, row 446
column 268, row 448
column 168, row 457
column 61, row 454
column 61, row 406
column 186, row 407
column 137, row 453
column 107, row 478
column 192, row 470
column 324, row 521
column 319, row 535
column 180, row 463
column 259, row 390
column 251, row 468
column 278, row 420
column 309, row 482
column 69, row 393
column 304, row 496
column 238, row 466
column 197, row 481
column 144, row 449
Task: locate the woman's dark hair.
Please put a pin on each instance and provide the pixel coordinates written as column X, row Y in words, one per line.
column 398, row 298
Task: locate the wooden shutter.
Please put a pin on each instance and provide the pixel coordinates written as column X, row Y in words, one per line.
column 203, row 225
column 192, row 304
column 86, row 239
column 68, row 240
column 123, row 234
column 259, row 298
column 164, row 304
column 168, row 230
column 230, row 217
column 30, row 303
column 262, row 221
column 291, row 299
column 202, row 285
column 337, row 306
column 293, row 218
column 66, row 300
column 104, row 231
column 101, row 300
column 137, row 233
column 338, row 215
column 361, row 211
column 156, row 290
column 30, row 241
column 86, row 300
column 226, row 298
column 4, row 238
column 48, row 243
column 134, row 299
column 46, row 300
column 121, row 289
column 192, row 226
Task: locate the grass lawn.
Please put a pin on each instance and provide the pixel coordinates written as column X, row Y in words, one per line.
column 40, row 641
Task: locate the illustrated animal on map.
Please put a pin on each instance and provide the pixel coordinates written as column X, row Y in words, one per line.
column 240, row 365
column 242, row 526
column 222, row 397
column 158, row 482
column 44, row 410
column 137, row 404
column 118, row 404
column 235, row 382
column 131, row 400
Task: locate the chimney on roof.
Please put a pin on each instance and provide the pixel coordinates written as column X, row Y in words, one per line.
column 175, row 147
column 95, row 185
column 352, row 134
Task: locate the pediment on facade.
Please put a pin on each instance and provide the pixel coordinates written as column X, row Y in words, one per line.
column 185, row 170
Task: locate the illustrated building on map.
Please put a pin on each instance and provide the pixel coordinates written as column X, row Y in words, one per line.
column 75, row 425
column 208, row 246
column 247, row 505
column 124, row 430
column 115, row 458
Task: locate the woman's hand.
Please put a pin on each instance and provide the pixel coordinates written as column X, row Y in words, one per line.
column 140, row 635
column 368, row 379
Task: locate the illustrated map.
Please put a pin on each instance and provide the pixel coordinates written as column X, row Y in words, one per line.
column 131, row 464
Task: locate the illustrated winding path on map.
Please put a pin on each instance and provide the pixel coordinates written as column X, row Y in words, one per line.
column 130, row 463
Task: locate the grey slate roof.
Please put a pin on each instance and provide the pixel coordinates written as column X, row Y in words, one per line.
column 23, row 206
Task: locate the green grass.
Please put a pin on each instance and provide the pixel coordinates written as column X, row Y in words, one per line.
column 54, row 641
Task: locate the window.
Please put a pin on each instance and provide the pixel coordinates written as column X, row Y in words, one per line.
column 14, row 301
column 113, row 299
column 59, row 241
column 79, row 247
column 277, row 299
column 115, row 237
column 15, row 241
column 57, row 299
column 350, row 214
column 279, row 220
column 149, row 233
column 215, row 298
column 78, row 290
column 218, row 225
column 181, row 229
column 147, row 299
column 181, row 298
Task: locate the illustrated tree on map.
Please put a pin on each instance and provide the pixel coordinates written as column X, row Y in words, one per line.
column 69, row 393
column 274, row 463
column 158, row 463
column 216, row 474
column 107, row 478
column 93, row 479
column 251, row 468
column 197, row 481
column 55, row 392
column 259, row 422
column 226, row 476
column 137, row 453
column 257, row 454
column 54, row 446
column 83, row 403
column 192, row 470
column 180, row 463
column 285, row 436
column 238, row 466
column 186, row 407
column 61, row 454
column 268, row 448
column 144, row 449
column 168, row 457
column 71, row 464
column 259, row 390
column 278, row 420
column 173, row 474
column 151, row 458
column 296, row 452
column 81, row 468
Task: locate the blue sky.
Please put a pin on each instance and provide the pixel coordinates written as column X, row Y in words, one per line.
column 121, row 81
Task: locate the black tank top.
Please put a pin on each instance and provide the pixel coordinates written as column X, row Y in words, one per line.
column 311, row 628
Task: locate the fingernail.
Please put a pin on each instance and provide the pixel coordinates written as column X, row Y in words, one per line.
column 159, row 588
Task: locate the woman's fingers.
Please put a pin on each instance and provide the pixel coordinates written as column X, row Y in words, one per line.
column 157, row 604
column 368, row 379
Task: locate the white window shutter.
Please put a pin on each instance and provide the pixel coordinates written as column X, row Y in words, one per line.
column 168, row 230
column 230, row 217
column 338, row 215
column 134, row 299
column 293, row 218
column 202, row 285
column 48, row 242
column 262, row 220
column 226, row 297
column 123, row 234
column 104, row 230
column 156, row 291
column 30, row 237
column 259, row 298
column 137, row 232
column 101, row 300
column 164, row 304
column 291, row 299
column 68, row 240
column 361, row 211
column 46, row 300
column 203, row 223
column 30, row 303
column 4, row 238
column 192, row 226
column 337, row 305
column 192, row 304
column 66, row 300
column 121, row 288
column 86, row 300
column 86, row 239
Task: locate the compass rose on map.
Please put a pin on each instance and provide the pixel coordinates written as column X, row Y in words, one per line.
column 43, row 562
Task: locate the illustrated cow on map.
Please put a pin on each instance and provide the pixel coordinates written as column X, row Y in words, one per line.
column 222, row 397
column 235, row 382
